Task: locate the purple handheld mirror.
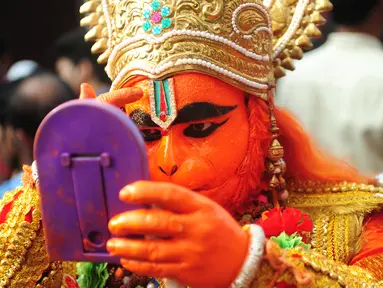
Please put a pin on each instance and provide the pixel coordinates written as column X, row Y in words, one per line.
column 86, row 152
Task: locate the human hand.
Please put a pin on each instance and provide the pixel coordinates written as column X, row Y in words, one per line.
column 200, row 244
column 118, row 98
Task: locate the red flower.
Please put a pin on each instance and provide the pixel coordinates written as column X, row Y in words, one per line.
column 288, row 220
column 70, row 282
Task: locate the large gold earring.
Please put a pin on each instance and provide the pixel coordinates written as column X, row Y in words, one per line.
column 275, row 164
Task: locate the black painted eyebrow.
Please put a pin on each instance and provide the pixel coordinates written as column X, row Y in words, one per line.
column 142, row 119
column 197, row 111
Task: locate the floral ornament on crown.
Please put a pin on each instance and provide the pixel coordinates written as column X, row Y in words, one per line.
column 156, row 18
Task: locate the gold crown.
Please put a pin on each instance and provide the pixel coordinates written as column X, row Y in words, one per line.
column 246, row 43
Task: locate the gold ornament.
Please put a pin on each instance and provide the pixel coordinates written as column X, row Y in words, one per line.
column 297, row 53
column 324, row 6
column 275, row 164
column 24, row 257
column 338, row 210
column 288, row 64
column 324, row 272
column 242, row 42
column 318, row 19
column 313, row 31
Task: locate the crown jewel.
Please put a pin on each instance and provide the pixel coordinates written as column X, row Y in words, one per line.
column 246, row 43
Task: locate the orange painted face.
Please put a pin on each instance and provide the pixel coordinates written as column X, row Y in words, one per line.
column 204, row 147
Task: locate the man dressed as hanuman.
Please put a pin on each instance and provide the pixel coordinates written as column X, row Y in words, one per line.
column 245, row 199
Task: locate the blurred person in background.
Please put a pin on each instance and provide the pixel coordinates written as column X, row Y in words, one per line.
column 31, row 101
column 75, row 63
column 11, row 74
column 337, row 90
column 22, row 69
column 16, row 73
column 5, row 60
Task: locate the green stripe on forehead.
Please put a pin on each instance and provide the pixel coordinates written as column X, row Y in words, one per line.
column 167, row 95
column 157, row 93
column 162, row 102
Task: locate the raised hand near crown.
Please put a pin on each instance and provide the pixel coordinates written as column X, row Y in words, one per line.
column 118, row 98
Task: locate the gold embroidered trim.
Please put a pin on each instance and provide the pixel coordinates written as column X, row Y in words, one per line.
column 23, row 253
column 315, row 187
column 374, row 265
column 58, row 270
column 35, row 262
column 325, row 272
column 337, row 203
column 17, row 234
column 337, row 210
column 348, row 276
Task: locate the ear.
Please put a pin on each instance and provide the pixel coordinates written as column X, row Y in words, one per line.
column 24, row 145
column 85, row 68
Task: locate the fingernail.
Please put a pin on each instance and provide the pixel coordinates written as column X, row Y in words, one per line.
column 127, row 192
column 113, row 222
column 82, row 89
column 110, row 246
column 137, row 91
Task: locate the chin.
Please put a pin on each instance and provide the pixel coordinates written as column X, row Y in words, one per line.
column 225, row 194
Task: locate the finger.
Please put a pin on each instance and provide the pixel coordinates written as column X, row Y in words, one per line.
column 147, row 222
column 165, row 195
column 87, row 91
column 121, row 97
column 164, row 270
column 159, row 251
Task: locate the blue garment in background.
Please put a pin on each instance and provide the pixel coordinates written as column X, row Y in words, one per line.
column 10, row 184
column 102, row 90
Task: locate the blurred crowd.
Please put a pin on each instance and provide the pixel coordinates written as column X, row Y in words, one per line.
column 336, row 90
column 28, row 92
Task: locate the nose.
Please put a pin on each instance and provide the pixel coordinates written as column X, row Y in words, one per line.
column 169, row 172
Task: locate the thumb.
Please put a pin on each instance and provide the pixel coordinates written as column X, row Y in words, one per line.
column 87, row 91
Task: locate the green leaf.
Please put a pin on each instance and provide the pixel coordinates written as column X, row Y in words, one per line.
column 288, row 242
column 92, row 275
column 297, row 240
column 305, row 246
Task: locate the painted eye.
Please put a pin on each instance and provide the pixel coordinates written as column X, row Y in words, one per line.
column 202, row 130
column 151, row 135
column 201, row 126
